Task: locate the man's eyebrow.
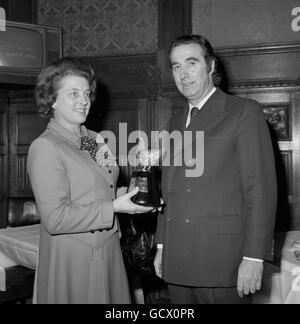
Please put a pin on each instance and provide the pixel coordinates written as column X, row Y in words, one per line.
column 192, row 58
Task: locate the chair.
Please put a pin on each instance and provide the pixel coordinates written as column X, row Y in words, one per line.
column 19, row 285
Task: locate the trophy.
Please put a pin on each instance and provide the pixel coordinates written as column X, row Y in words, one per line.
column 145, row 179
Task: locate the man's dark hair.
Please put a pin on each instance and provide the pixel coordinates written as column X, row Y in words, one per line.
column 208, row 51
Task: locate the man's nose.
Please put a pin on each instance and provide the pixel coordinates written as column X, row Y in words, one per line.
column 183, row 73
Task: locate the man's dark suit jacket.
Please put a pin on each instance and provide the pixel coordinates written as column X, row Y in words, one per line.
column 212, row 221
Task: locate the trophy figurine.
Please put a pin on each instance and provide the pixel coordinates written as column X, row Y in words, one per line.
column 145, row 179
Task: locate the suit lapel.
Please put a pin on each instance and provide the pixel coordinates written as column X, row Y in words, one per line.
column 179, row 125
column 208, row 117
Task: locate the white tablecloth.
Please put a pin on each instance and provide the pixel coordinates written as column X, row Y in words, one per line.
column 281, row 282
column 18, row 246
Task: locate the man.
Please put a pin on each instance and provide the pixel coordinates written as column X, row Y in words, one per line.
column 217, row 228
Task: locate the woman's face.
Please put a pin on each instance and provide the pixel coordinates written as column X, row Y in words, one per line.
column 73, row 101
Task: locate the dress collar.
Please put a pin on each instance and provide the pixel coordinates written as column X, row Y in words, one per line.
column 65, row 133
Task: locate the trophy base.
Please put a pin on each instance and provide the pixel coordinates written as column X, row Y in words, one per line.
column 138, row 200
column 148, row 195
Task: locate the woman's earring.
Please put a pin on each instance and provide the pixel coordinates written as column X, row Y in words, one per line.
column 54, row 106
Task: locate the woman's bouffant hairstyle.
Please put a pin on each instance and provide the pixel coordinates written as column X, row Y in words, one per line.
column 208, row 52
column 48, row 82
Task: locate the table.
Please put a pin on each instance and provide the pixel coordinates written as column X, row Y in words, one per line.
column 281, row 281
column 18, row 246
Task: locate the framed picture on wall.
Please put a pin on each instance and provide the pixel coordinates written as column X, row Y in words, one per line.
column 278, row 117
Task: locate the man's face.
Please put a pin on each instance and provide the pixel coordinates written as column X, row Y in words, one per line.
column 192, row 76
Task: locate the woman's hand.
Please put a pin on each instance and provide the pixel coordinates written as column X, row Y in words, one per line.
column 123, row 204
column 121, row 191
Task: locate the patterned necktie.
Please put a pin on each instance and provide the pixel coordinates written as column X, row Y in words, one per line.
column 194, row 112
column 89, row 144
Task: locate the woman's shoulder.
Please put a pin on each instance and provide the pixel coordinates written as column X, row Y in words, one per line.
column 43, row 151
column 46, row 142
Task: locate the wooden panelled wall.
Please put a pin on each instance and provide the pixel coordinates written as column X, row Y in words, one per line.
column 25, row 125
column 139, row 90
column 20, row 125
column 14, row 129
column 3, row 155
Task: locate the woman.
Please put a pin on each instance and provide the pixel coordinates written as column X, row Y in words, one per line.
column 74, row 182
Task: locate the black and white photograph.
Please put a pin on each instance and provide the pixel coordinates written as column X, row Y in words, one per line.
column 149, row 154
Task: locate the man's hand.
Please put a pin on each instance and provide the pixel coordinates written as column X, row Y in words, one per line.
column 249, row 277
column 159, row 209
column 158, row 262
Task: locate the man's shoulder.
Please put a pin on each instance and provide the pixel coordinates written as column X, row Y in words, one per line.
column 235, row 102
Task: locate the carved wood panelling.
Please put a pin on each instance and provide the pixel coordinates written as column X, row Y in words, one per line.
column 3, row 145
column 252, row 64
column 3, row 157
column 25, row 126
column 2, row 176
column 287, row 160
column 3, row 119
column 22, row 182
column 3, row 190
column 2, row 128
column 263, row 84
column 29, row 125
column 279, row 118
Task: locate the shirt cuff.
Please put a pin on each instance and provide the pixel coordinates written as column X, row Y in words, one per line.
column 160, row 246
column 252, row 259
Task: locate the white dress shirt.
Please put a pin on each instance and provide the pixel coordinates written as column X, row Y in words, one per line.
column 200, row 104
